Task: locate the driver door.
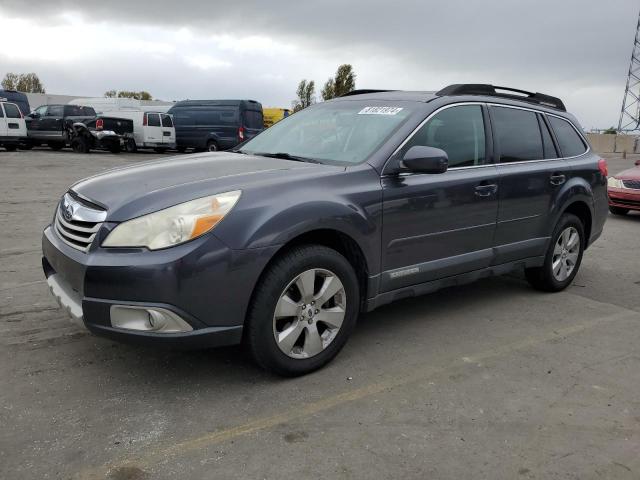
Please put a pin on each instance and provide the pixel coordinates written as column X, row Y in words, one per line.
column 440, row 225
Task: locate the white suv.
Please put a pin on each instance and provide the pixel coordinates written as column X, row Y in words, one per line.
column 13, row 129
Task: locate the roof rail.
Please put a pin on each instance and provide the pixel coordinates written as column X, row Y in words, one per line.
column 494, row 91
column 363, row 92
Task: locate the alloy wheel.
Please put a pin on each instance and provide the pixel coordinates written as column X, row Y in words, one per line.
column 309, row 313
column 565, row 254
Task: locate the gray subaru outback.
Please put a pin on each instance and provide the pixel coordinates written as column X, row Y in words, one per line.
column 345, row 206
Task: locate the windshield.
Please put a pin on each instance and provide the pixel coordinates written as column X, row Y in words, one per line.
column 343, row 132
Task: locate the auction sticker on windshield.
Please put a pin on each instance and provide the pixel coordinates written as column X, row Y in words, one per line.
column 380, row 111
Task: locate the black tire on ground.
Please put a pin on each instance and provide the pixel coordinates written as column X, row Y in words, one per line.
column 618, row 210
column 131, row 146
column 114, row 147
column 11, row 148
column 259, row 326
column 80, row 145
column 181, row 149
column 543, row 278
column 212, row 146
column 56, row 145
column 26, row 146
column 160, row 150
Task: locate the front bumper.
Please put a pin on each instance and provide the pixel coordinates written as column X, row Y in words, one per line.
column 624, row 198
column 204, row 282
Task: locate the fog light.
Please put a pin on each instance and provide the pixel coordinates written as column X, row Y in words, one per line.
column 147, row 319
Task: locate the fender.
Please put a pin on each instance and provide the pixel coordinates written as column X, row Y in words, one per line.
column 573, row 191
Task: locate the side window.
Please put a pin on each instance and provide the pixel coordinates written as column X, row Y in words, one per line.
column 55, row 111
column 253, row 119
column 547, row 141
column 12, row 110
column 459, row 131
column 182, row 116
column 42, row 110
column 569, row 141
column 153, row 119
column 166, row 121
column 518, row 134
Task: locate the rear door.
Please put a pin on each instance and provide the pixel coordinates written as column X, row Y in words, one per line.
column 152, row 129
column 3, row 123
column 253, row 123
column 34, row 125
column 531, row 175
column 14, row 120
column 51, row 124
column 168, row 130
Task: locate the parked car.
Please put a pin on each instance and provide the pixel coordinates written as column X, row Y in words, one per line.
column 51, row 124
column 101, row 133
column 215, row 124
column 274, row 115
column 345, row 206
column 13, row 130
column 19, row 98
column 624, row 191
column 152, row 126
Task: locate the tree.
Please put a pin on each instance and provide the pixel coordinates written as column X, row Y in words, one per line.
column 343, row 82
column 141, row 95
column 306, row 93
column 23, row 82
column 610, row 131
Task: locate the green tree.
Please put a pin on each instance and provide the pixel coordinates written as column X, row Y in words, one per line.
column 343, row 82
column 23, row 82
column 610, row 131
column 141, row 95
column 306, row 94
column 110, row 94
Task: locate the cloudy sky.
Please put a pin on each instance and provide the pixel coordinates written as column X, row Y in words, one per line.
column 575, row 49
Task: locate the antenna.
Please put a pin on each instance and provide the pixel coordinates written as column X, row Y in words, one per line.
column 630, row 113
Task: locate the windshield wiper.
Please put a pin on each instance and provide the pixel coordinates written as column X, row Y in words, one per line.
column 286, row 156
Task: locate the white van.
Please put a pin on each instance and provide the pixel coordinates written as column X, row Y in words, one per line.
column 152, row 126
column 13, row 128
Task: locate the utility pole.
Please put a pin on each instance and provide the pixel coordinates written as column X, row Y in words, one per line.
column 630, row 114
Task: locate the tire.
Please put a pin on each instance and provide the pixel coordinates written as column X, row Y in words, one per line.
column 131, row 146
column 56, row 145
column 181, row 149
column 160, row 150
column 618, row 210
column 80, row 145
column 26, row 146
column 115, row 148
column 212, row 146
column 566, row 250
column 10, row 148
column 303, row 354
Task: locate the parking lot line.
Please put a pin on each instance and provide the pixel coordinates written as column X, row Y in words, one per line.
column 419, row 373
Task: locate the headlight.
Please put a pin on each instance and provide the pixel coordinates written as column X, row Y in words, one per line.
column 614, row 182
column 173, row 225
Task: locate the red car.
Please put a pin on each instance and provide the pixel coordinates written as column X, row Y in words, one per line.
column 624, row 191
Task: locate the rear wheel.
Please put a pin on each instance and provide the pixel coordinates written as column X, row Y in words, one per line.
column 11, row 148
column 563, row 257
column 303, row 310
column 114, row 147
column 56, row 145
column 181, row 149
column 160, row 150
column 80, row 145
column 212, row 146
column 131, row 146
column 26, row 146
column 618, row 210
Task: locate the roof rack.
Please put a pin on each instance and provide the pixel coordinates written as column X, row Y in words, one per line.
column 494, row 91
column 363, row 92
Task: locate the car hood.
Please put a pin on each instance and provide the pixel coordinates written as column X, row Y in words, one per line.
column 629, row 174
column 139, row 189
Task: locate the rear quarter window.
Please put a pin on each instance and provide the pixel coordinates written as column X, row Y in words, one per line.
column 253, row 119
column 153, row 119
column 55, row 111
column 12, row 110
column 518, row 134
column 571, row 145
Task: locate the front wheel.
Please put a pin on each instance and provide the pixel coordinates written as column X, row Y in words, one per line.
column 563, row 257
column 80, row 145
column 56, row 145
column 618, row 210
column 303, row 310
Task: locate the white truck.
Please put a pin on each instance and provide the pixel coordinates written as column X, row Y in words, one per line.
column 152, row 126
column 13, row 129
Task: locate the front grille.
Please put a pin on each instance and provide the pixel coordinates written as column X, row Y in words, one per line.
column 632, row 184
column 79, row 226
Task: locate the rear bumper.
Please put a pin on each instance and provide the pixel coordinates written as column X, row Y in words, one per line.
column 624, row 198
column 203, row 282
column 159, row 145
column 13, row 140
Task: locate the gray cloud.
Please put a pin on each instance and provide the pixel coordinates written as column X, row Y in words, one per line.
column 575, row 49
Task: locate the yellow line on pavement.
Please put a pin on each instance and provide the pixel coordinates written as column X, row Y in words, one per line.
column 420, row 373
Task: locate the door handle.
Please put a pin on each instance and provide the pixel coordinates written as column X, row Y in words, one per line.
column 486, row 190
column 557, row 179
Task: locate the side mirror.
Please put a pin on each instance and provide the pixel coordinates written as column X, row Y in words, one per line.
column 34, row 115
column 426, row 160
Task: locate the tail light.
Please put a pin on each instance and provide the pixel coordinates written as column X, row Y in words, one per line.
column 144, row 120
column 21, row 114
column 241, row 133
column 602, row 166
column 99, row 124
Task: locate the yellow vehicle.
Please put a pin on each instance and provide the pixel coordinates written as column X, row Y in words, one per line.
column 274, row 115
